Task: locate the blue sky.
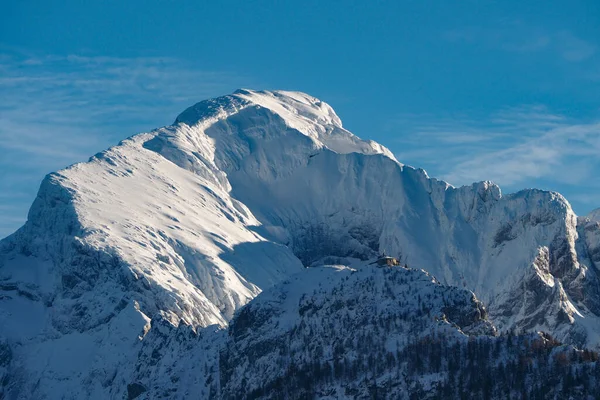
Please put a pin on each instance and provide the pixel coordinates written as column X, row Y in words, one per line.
column 469, row 90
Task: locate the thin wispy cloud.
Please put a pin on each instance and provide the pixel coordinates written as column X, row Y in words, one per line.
column 514, row 147
column 519, row 37
column 573, row 48
column 59, row 109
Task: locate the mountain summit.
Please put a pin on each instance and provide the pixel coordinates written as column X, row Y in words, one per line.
column 179, row 228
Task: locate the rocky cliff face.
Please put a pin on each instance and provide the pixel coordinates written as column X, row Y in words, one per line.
column 188, row 223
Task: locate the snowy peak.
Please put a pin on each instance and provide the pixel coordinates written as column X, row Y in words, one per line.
column 594, row 215
column 293, row 104
column 299, row 111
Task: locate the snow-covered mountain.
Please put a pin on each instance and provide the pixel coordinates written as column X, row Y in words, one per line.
column 594, row 215
column 185, row 225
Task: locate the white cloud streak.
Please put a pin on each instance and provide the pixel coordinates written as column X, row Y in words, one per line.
column 62, row 107
column 519, row 37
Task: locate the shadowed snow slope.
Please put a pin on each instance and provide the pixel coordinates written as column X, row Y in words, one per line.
column 191, row 221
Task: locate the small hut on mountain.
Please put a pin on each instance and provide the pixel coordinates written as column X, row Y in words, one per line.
column 386, row 261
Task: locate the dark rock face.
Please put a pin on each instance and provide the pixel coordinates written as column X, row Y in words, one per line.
column 504, row 234
column 6, row 357
column 134, row 390
column 312, row 242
